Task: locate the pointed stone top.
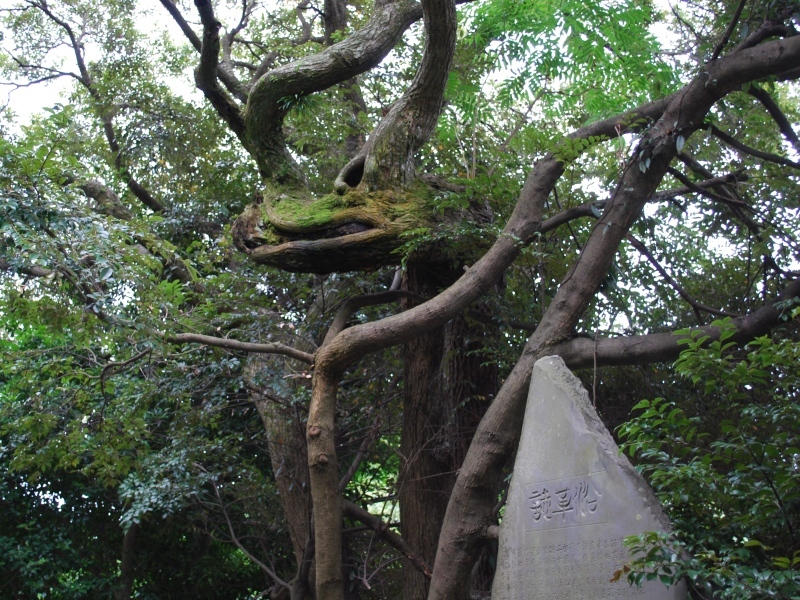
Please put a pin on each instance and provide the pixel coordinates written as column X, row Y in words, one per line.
column 573, row 499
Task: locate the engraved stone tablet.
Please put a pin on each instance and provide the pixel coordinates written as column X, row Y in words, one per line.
column 572, row 500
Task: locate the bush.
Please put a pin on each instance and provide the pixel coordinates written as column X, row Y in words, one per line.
column 727, row 470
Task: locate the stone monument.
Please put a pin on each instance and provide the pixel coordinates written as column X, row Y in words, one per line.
column 573, row 499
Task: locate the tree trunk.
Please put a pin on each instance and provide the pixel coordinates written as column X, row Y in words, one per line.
column 446, row 393
column 123, row 591
column 289, row 458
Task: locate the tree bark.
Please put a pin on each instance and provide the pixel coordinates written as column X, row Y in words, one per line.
column 445, row 394
column 470, row 510
column 123, row 591
column 289, row 458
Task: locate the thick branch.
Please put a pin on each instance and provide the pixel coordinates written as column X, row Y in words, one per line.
column 335, row 17
column 231, row 83
column 106, row 201
column 581, row 353
column 355, row 303
column 205, row 75
column 590, row 209
column 387, row 159
column 767, row 30
column 273, row 94
column 470, row 508
column 29, row 270
column 522, row 227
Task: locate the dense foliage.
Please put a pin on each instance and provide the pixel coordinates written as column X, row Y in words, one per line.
column 137, row 463
column 724, row 461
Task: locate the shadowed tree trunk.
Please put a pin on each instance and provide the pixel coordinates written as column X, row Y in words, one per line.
column 123, row 591
column 447, row 389
column 289, row 458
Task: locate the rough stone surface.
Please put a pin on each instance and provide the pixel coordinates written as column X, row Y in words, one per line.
column 572, row 500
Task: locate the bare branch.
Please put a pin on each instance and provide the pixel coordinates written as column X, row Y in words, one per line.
column 730, row 178
column 696, row 306
column 227, row 42
column 241, row 547
column 272, row 348
column 704, row 192
column 360, row 52
column 54, row 73
column 206, row 73
column 108, row 125
column 77, row 48
column 731, row 141
column 175, row 12
column 731, row 26
column 776, row 113
column 233, row 85
column 386, row 534
column 363, row 449
column 134, row 186
column 355, row 303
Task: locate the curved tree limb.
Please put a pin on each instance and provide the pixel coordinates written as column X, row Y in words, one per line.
column 731, row 141
column 274, row 92
column 767, row 30
column 776, row 113
column 412, row 119
column 205, row 74
column 470, row 508
column 354, row 303
column 231, row 83
column 208, row 340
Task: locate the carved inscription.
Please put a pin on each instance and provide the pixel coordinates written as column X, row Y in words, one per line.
column 565, row 502
column 572, row 501
column 563, row 569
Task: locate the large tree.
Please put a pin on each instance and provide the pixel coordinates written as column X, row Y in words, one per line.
column 534, row 168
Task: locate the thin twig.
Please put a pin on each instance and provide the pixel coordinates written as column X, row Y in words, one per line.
column 241, row 547
column 729, row 30
column 696, row 306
